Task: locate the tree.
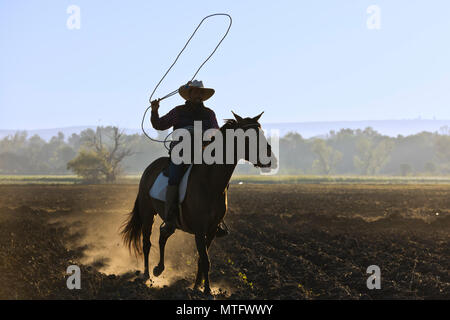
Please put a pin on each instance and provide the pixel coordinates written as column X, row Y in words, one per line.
column 58, row 153
column 295, row 154
column 328, row 158
column 405, row 169
column 89, row 165
column 430, row 167
column 372, row 155
column 101, row 155
column 345, row 142
column 12, row 163
column 442, row 147
column 74, row 141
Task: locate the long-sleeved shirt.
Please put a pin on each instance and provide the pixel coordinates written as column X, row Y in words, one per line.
column 183, row 116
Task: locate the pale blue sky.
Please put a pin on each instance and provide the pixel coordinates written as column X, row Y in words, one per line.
column 296, row 60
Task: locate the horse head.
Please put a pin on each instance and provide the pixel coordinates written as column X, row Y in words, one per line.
column 255, row 147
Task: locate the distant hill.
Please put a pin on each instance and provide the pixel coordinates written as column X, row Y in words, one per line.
column 46, row 134
column 306, row 129
column 387, row 127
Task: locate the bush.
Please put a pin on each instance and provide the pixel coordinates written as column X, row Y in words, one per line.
column 90, row 165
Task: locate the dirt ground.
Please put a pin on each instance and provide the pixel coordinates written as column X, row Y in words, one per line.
column 286, row 242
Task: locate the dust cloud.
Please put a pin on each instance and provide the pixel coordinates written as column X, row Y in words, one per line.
column 96, row 232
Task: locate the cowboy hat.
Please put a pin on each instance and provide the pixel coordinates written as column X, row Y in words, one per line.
column 195, row 89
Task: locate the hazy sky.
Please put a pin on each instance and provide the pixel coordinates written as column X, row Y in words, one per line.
column 296, row 60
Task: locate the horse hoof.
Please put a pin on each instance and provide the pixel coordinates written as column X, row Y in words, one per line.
column 142, row 277
column 158, row 270
column 208, row 294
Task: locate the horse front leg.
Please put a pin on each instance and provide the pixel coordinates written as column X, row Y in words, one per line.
column 203, row 243
column 198, row 280
column 199, row 277
column 163, row 236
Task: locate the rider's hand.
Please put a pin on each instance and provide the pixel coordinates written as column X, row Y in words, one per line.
column 155, row 105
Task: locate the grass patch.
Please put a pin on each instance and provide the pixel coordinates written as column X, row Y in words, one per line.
column 240, row 179
column 39, row 179
column 311, row 179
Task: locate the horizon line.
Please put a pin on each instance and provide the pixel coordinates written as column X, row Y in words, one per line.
column 263, row 123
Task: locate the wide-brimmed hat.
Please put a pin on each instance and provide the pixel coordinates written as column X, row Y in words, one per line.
column 195, row 89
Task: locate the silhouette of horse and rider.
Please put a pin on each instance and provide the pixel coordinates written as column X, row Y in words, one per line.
column 205, row 203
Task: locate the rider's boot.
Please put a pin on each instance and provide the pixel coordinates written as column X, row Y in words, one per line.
column 170, row 209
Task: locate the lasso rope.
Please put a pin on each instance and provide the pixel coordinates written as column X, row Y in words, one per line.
column 193, row 77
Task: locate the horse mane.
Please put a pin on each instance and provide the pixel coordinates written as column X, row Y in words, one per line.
column 229, row 123
column 233, row 124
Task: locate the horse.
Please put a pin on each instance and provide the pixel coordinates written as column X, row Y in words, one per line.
column 205, row 203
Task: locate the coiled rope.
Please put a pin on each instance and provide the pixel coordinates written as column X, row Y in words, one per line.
column 193, row 77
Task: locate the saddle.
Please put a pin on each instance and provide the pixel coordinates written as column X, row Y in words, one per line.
column 159, row 187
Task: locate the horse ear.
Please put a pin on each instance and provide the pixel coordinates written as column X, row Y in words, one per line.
column 258, row 116
column 238, row 118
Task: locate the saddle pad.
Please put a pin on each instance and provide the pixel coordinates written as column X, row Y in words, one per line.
column 159, row 188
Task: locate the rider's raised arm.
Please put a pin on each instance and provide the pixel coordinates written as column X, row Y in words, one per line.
column 165, row 122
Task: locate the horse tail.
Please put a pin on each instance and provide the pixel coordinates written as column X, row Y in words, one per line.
column 132, row 229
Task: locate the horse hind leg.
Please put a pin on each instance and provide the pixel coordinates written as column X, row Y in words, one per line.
column 148, row 219
column 146, row 244
column 163, row 236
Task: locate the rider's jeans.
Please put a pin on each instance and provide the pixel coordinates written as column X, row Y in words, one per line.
column 176, row 172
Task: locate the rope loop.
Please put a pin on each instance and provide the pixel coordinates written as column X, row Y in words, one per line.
column 193, row 77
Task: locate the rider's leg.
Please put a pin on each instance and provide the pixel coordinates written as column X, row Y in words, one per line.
column 171, row 205
column 176, row 172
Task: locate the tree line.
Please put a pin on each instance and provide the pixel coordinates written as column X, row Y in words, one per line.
column 104, row 153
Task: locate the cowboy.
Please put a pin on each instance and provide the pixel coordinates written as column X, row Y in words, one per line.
column 183, row 116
